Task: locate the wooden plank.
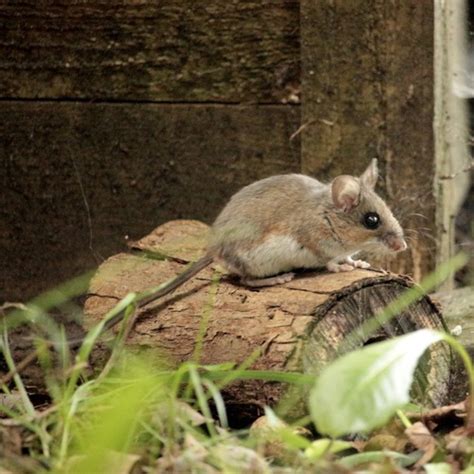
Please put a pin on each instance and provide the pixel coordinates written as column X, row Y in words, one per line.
column 77, row 178
column 367, row 79
column 452, row 146
column 170, row 50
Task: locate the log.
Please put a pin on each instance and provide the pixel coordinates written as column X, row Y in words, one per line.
column 298, row 326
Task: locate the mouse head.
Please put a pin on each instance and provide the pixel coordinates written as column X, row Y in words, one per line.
column 371, row 221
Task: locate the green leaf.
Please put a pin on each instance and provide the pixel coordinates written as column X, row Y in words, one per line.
column 363, row 389
column 285, row 433
column 402, row 460
column 324, row 446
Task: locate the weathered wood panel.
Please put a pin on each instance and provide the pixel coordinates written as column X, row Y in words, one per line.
column 231, row 51
column 76, row 179
column 367, row 79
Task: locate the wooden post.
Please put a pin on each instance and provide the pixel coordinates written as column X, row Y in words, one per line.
column 452, row 156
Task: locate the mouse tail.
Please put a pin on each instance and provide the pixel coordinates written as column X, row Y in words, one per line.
column 154, row 294
column 176, row 282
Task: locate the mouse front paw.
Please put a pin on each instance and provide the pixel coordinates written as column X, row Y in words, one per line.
column 357, row 263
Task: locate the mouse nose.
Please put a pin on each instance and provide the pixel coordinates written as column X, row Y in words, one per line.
column 396, row 243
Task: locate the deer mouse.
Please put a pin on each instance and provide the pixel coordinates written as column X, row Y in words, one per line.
column 282, row 223
column 286, row 222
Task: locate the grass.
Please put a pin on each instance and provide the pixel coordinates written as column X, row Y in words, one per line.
column 138, row 415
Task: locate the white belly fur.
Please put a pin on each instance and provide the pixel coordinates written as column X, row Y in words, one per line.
column 279, row 254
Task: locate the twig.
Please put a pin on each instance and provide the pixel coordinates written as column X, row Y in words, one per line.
column 301, row 128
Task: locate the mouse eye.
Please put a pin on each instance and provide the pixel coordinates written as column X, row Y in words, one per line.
column 371, row 220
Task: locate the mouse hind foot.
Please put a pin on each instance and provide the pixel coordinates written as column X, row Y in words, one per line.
column 270, row 281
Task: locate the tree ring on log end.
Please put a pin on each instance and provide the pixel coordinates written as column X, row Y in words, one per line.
column 345, row 313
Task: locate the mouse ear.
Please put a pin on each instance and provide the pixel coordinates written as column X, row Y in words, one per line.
column 370, row 175
column 345, row 192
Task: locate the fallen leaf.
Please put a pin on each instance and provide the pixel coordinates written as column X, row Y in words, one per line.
column 421, row 438
column 234, row 458
column 459, row 441
column 438, row 468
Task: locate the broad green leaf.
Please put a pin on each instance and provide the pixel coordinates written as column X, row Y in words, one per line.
column 363, row 389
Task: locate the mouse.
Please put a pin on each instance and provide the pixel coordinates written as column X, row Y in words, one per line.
column 287, row 222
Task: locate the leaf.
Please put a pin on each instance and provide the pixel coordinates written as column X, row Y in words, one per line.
column 232, row 458
column 363, row 389
column 459, row 442
column 271, row 418
column 403, row 460
column 325, row 446
column 421, row 438
column 271, row 428
column 116, row 462
column 107, row 417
